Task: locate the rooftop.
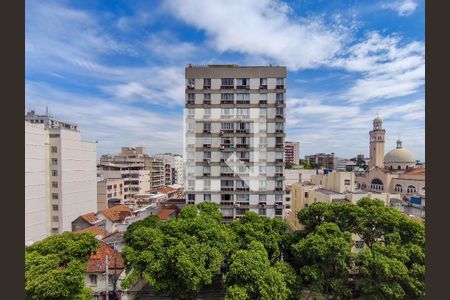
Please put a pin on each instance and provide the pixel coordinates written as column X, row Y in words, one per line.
column 117, row 213
column 95, row 230
column 97, row 261
column 165, row 213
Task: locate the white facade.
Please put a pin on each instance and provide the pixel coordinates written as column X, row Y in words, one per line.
column 60, row 176
column 37, row 196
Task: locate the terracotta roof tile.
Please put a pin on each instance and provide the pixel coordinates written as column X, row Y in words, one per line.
column 96, row 230
column 165, row 213
column 166, row 190
column 97, row 261
column 90, row 217
column 117, row 213
column 412, row 171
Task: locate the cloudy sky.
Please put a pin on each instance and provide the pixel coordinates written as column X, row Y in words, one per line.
column 117, row 67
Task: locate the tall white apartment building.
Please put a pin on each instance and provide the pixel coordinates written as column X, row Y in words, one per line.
column 60, row 176
column 234, row 138
column 174, row 168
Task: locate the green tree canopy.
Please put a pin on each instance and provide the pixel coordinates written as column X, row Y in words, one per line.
column 55, row 267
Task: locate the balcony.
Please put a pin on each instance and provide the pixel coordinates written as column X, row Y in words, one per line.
column 279, row 86
column 243, row 131
column 279, row 160
column 206, row 87
column 227, row 203
column 242, row 101
column 279, row 102
column 226, row 146
column 243, row 203
column 227, row 174
column 226, row 188
column 206, row 130
column 279, row 130
column 278, row 189
column 244, row 159
column 262, row 101
column 227, row 87
column 206, row 145
column 279, row 116
column 242, row 189
column 207, row 160
column 190, row 86
column 226, row 101
column 263, row 87
column 242, row 145
column 243, row 87
column 189, row 102
column 227, row 131
column 279, row 145
column 278, row 174
column 207, row 102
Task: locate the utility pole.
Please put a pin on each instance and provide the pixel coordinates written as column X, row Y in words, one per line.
column 107, row 277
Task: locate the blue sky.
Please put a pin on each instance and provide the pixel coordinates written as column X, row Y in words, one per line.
column 117, row 67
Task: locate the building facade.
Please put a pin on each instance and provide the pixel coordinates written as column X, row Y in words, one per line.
column 60, row 176
column 323, row 160
column 292, row 152
column 234, row 138
column 110, row 191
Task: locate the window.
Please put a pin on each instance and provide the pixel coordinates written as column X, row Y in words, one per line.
column 55, row 230
column 262, row 184
column 55, row 184
column 54, row 173
column 206, row 82
column 207, row 197
column 227, row 126
column 191, row 82
column 279, row 111
column 206, row 126
column 262, row 198
column 227, row 96
column 306, row 194
column 279, row 126
column 280, row 81
column 109, row 195
column 227, row 82
column 55, row 207
column 346, row 182
column 262, row 211
column 53, row 135
column 278, row 198
column 262, row 169
column 207, row 185
column 242, row 81
column 55, row 196
column 243, row 96
column 226, row 197
column 279, row 96
column 244, row 197
column 207, row 97
column 54, row 149
column 206, row 169
column 55, row 219
column 191, row 197
column 93, row 279
column 227, row 112
column 109, row 187
column 263, row 81
column 242, row 112
column 359, row 244
column 263, row 96
column 207, row 155
column 263, row 112
column 191, row 96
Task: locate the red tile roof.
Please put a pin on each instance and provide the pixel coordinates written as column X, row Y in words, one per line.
column 117, row 213
column 95, row 230
column 90, row 217
column 165, row 213
column 166, row 190
column 97, row 261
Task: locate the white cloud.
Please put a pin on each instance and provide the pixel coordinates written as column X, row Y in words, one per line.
column 263, row 28
column 388, row 68
column 403, row 8
column 113, row 124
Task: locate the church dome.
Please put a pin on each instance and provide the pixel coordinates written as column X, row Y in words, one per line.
column 399, row 158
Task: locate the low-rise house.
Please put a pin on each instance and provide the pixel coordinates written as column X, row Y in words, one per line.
column 87, row 220
column 167, row 214
column 105, row 260
column 96, row 230
column 114, row 216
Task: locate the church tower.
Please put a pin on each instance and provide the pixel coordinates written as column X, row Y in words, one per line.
column 377, row 144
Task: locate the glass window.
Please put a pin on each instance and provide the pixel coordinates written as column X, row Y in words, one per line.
column 263, row 96
column 93, row 279
column 263, row 81
column 228, row 81
column 54, row 149
column 207, row 97
column 280, row 81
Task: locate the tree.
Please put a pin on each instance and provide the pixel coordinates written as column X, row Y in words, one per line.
column 150, row 221
column 325, row 256
column 269, row 231
column 288, row 165
column 252, row 275
column 54, row 267
column 182, row 255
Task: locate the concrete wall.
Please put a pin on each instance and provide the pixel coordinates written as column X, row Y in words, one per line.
column 37, row 198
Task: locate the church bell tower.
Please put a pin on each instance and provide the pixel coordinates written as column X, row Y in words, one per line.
column 377, row 144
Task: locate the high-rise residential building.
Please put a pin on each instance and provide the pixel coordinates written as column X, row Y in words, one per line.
column 110, row 192
column 60, row 176
column 234, row 138
column 173, row 168
column 140, row 171
column 292, row 152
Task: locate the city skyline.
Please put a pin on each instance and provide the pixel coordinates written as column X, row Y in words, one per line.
column 120, row 76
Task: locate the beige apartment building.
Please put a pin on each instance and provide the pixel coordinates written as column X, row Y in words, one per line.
column 330, row 188
column 234, row 138
column 140, row 171
column 110, row 191
column 60, row 176
column 292, row 152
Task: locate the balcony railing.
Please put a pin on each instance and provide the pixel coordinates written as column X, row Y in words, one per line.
column 278, row 130
column 279, row 86
column 206, row 87
column 207, row 102
column 206, row 145
column 227, row 174
column 227, row 87
column 242, row 101
column 190, row 102
column 227, row 203
column 190, row 86
column 279, row 145
column 279, row 102
column 263, row 87
column 242, row 130
column 279, row 160
column 226, row 188
column 242, row 145
column 262, row 101
column 226, row 101
column 279, row 116
column 224, row 146
column 245, row 159
column 245, row 188
column 244, row 87
column 279, row 174
column 227, row 131
column 278, row 189
column 206, row 130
